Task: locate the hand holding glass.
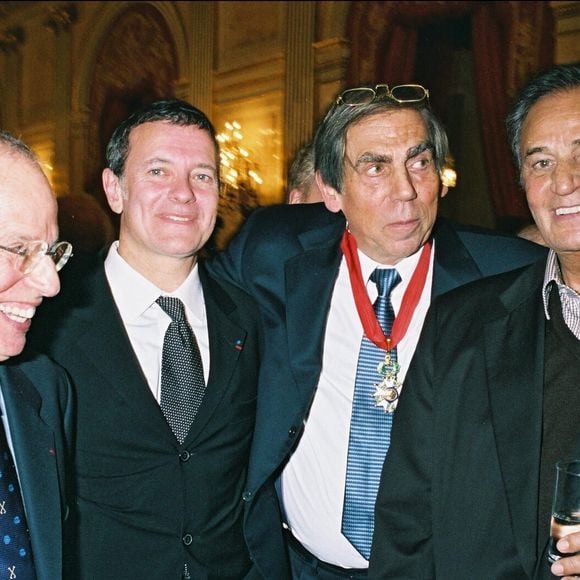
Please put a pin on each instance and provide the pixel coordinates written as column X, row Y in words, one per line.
column 565, row 506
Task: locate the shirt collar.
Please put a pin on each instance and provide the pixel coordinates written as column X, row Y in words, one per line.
column 134, row 294
column 405, row 267
column 552, row 274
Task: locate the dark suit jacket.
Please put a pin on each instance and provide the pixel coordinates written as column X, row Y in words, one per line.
column 288, row 258
column 146, row 504
column 38, row 402
column 459, row 494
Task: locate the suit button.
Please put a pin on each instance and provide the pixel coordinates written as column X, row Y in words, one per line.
column 247, row 495
column 187, row 539
column 292, row 432
column 185, row 455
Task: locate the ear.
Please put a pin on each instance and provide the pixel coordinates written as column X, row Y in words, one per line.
column 444, row 190
column 331, row 198
column 295, row 196
column 113, row 190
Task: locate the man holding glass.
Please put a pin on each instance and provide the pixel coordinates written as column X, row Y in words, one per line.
column 327, row 395
column 492, row 396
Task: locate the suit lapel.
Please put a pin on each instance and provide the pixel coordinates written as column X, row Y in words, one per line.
column 453, row 264
column 309, row 283
column 514, row 352
column 35, row 454
column 226, row 342
column 99, row 336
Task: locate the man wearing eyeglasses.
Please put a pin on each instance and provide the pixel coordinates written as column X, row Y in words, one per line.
column 325, row 403
column 35, row 395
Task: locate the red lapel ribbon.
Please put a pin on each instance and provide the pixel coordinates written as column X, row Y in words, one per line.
column 365, row 310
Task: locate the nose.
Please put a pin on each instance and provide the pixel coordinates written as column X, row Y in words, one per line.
column 403, row 187
column 566, row 177
column 182, row 191
column 44, row 277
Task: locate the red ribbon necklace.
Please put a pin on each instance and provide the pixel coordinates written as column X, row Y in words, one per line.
column 365, row 310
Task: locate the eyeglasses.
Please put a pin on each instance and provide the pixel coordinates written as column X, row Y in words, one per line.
column 399, row 94
column 29, row 255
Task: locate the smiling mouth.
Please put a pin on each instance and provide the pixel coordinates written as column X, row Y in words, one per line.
column 177, row 218
column 18, row 314
column 568, row 210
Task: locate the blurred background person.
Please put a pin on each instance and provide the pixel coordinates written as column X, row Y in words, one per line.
column 302, row 187
column 84, row 222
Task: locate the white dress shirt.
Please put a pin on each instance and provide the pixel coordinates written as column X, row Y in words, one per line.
column 146, row 322
column 313, row 482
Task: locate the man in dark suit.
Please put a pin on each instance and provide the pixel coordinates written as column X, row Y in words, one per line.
column 492, row 395
column 35, row 395
column 159, row 495
column 378, row 155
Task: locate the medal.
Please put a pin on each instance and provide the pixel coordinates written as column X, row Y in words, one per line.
column 388, row 390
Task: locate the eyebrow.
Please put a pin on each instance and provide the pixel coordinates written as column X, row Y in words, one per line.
column 206, row 166
column 370, row 157
column 420, row 148
column 155, row 160
column 542, row 149
column 533, row 151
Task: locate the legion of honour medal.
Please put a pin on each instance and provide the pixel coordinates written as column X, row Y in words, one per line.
column 387, row 392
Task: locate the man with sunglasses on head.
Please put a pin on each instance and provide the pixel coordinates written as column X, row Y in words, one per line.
column 35, row 395
column 325, row 410
column 492, row 395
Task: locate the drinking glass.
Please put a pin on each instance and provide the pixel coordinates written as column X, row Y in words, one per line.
column 565, row 505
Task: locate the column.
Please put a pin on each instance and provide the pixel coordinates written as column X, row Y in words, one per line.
column 299, row 103
column 60, row 21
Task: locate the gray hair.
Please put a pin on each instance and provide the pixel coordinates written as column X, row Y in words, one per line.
column 301, row 172
column 330, row 137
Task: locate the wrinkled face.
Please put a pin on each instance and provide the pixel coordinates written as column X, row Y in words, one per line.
column 167, row 196
column 550, row 150
column 27, row 213
column 391, row 186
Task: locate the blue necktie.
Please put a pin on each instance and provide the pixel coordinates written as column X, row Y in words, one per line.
column 370, row 427
column 182, row 380
column 15, row 550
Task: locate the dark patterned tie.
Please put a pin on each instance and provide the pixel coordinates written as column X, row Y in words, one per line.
column 182, row 382
column 16, row 561
column 370, row 427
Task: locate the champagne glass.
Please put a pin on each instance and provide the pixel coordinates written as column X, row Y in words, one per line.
column 565, row 505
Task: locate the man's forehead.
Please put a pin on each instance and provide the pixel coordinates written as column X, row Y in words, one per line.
column 389, row 118
column 552, row 112
column 391, row 129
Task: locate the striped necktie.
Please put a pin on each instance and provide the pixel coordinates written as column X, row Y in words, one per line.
column 370, row 427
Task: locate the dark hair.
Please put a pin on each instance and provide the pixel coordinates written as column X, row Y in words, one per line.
column 174, row 111
column 330, row 137
column 301, row 172
column 555, row 79
column 18, row 146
